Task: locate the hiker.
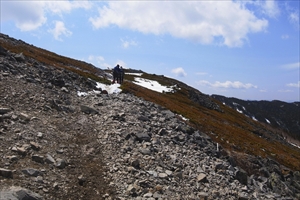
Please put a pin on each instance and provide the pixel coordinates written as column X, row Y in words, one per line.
column 116, row 72
column 121, row 74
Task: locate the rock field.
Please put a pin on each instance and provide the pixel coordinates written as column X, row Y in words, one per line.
column 58, row 145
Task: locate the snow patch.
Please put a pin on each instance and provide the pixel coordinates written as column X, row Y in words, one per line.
column 135, row 74
column 267, row 121
column 183, row 118
column 294, row 145
column 254, row 118
column 152, row 85
column 239, row 111
column 111, row 89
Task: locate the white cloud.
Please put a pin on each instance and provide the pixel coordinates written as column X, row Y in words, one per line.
column 294, row 19
column 270, row 8
column 297, row 85
column 228, row 84
column 30, row 15
column 60, row 7
column 285, row 37
column 59, row 30
column 223, row 22
column 23, row 14
column 127, row 43
column 293, row 15
column 285, row 91
column 291, row 66
column 179, row 72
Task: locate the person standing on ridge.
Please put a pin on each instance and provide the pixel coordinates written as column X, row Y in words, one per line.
column 122, row 72
column 116, row 72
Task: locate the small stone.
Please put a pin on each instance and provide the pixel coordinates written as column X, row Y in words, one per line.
column 136, row 164
column 35, row 146
column 37, row 158
column 31, row 172
column 202, row 178
column 148, row 195
column 40, row 135
column 168, row 172
column 145, row 151
column 60, row 163
column 6, row 173
column 24, row 117
column 162, row 175
column 55, row 185
column 81, row 180
column 50, row 159
column 4, row 111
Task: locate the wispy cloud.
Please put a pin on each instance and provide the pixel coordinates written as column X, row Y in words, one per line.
column 59, row 30
column 293, row 15
column 99, row 61
column 291, row 66
column 201, row 21
column 228, row 84
column 179, row 72
column 285, row 91
column 285, row 37
column 297, row 85
column 128, row 43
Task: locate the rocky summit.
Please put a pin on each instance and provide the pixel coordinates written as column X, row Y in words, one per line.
column 56, row 144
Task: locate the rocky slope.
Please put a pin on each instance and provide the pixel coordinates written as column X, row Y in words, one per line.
column 58, row 145
column 282, row 115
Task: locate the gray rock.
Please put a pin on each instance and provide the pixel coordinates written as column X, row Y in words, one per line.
column 20, row 57
column 49, row 159
column 88, row 110
column 142, row 137
column 242, row 176
column 31, row 172
column 6, row 173
column 18, row 193
column 38, row 158
column 4, row 111
column 60, row 163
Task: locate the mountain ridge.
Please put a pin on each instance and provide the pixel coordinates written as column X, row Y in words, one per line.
column 247, row 143
column 280, row 114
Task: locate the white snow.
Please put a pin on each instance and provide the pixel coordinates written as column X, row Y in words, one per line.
column 183, row 118
column 111, row 89
column 135, row 74
column 239, row 111
column 267, row 121
column 294, row 145
column 254, row 118
column 152, row 85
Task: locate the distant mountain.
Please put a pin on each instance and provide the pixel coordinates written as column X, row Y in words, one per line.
column 279, row 114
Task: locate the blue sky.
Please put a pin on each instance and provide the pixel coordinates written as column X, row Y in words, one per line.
column 243, row 49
